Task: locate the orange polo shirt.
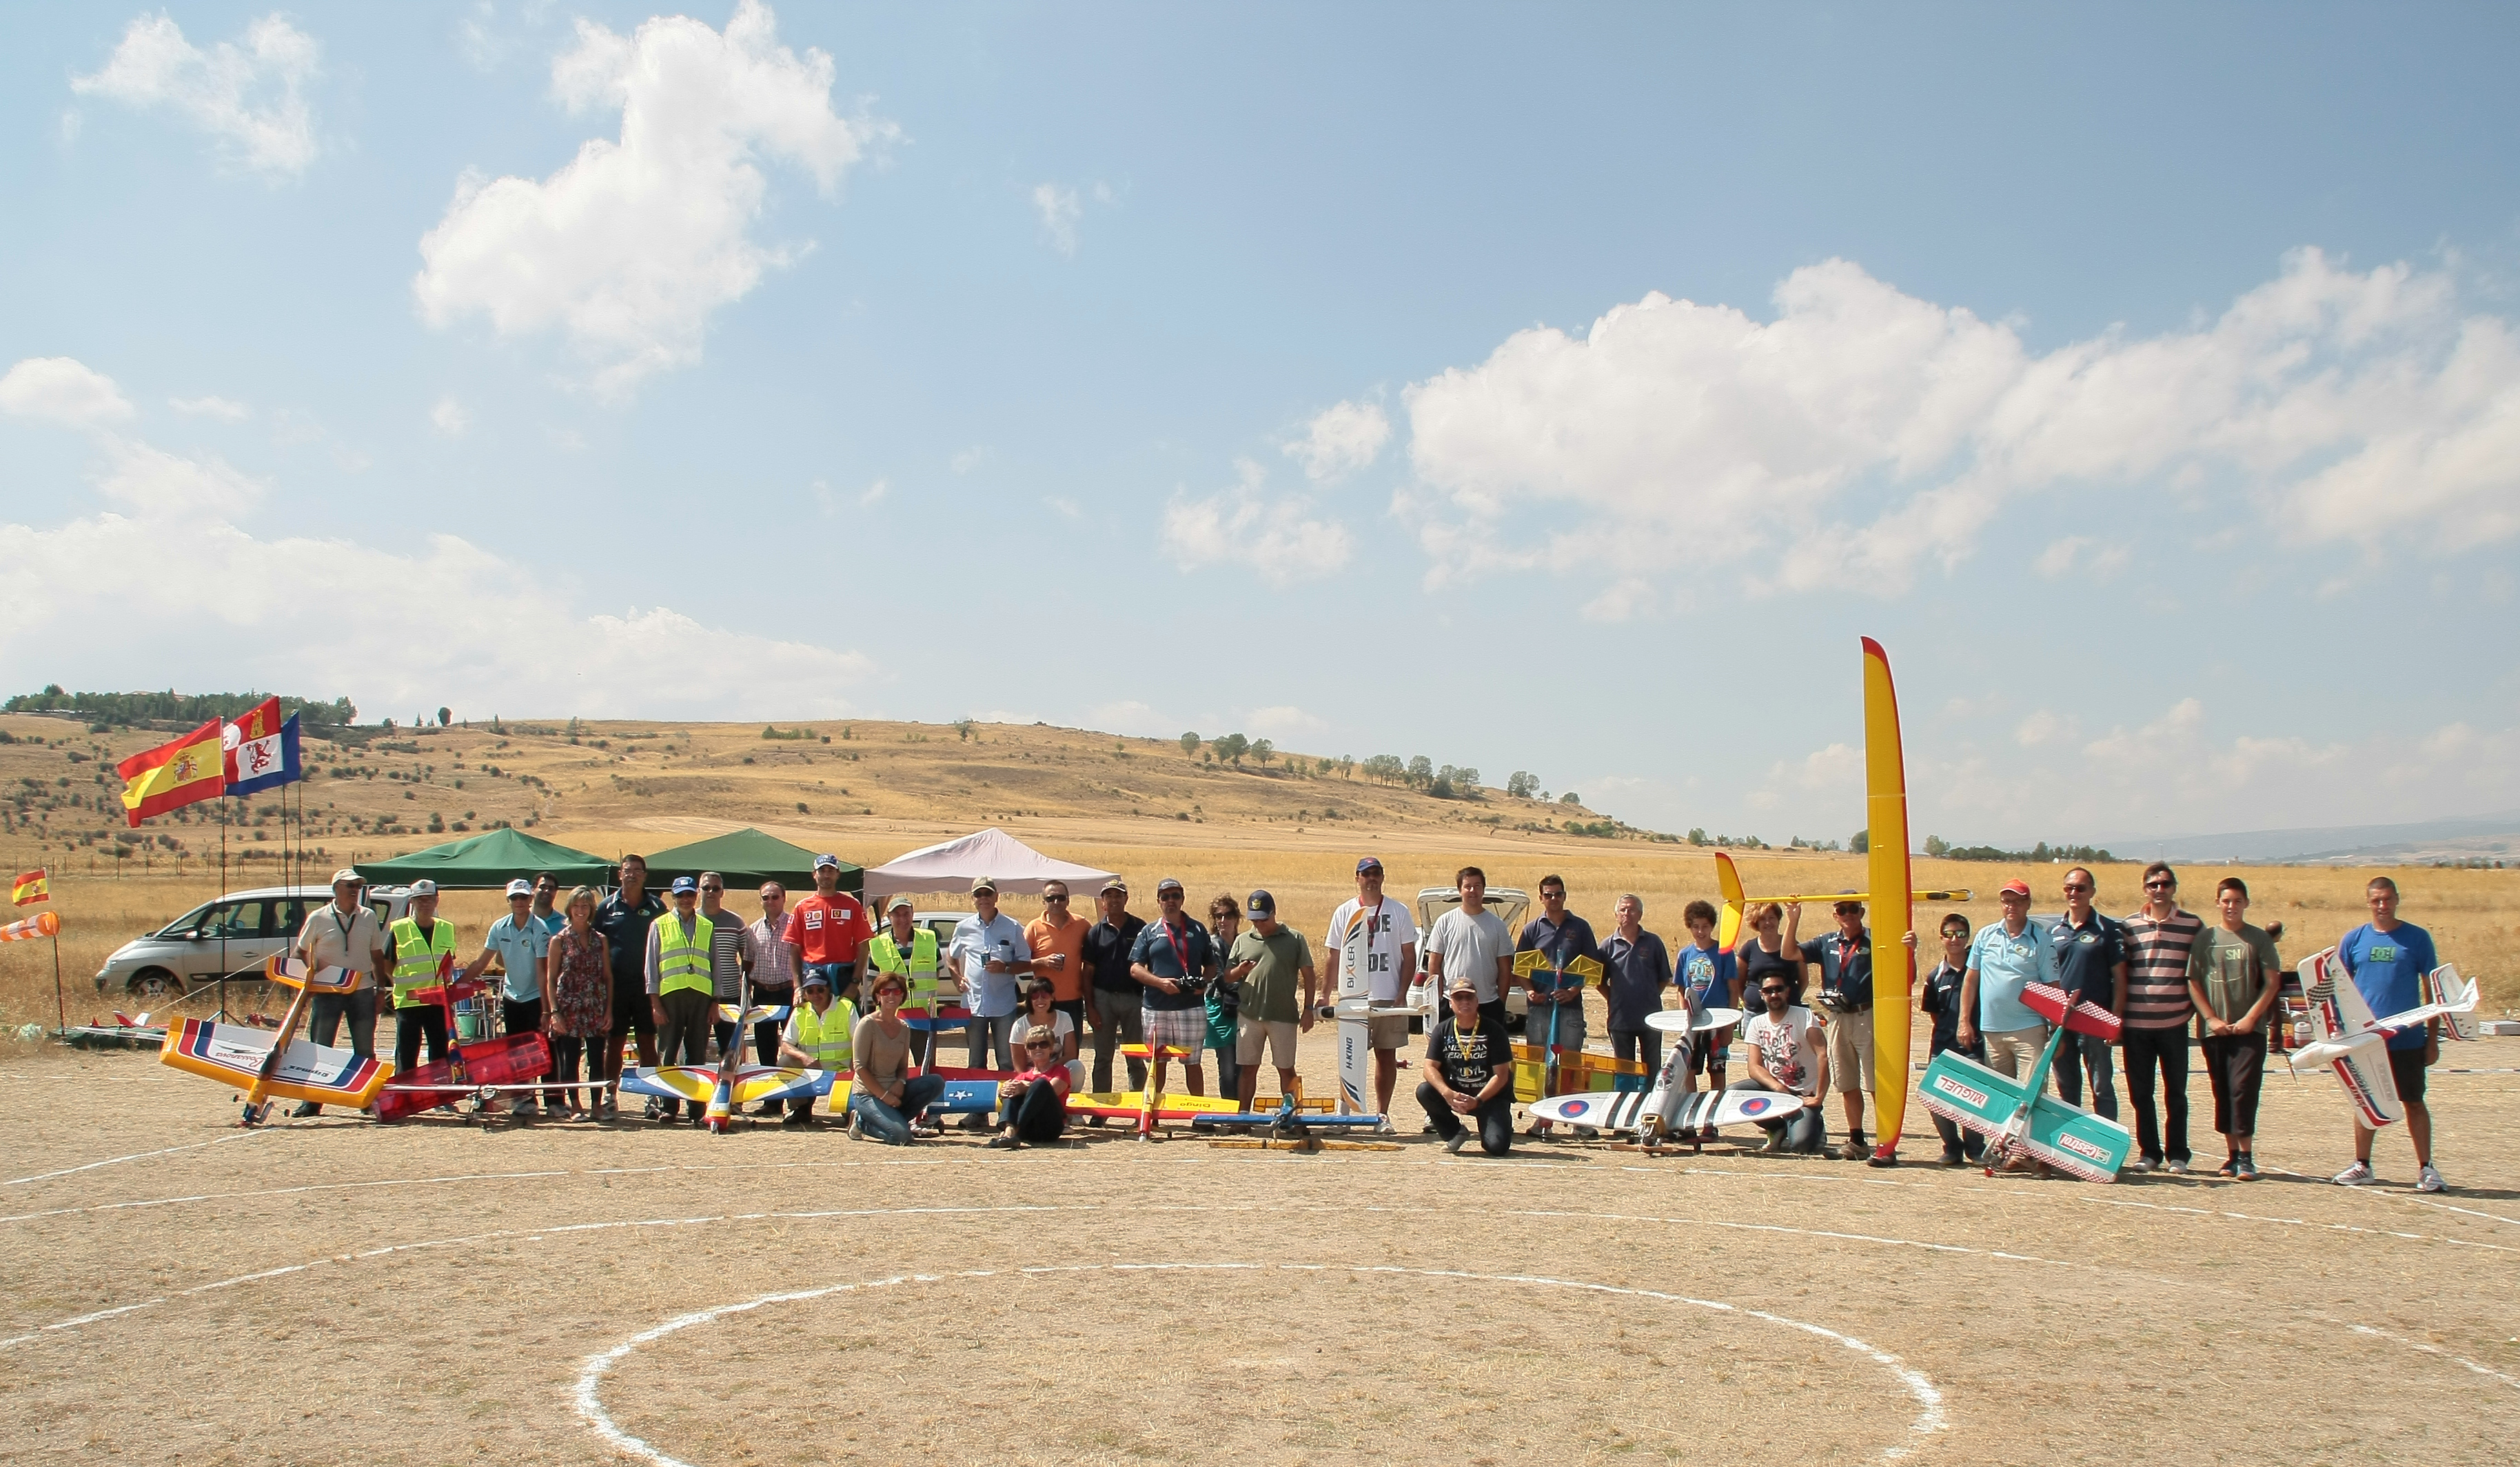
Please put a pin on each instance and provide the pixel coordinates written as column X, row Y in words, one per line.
column 1068, row 984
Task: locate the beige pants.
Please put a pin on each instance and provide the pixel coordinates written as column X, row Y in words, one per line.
column 2012, row 1050
column 1849, row 1052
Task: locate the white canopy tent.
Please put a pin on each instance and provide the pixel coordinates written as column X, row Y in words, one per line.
column 957, row 863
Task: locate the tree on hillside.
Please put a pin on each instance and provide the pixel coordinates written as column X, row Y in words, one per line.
column 1347, row 767
column 1522, row 784
column 1570, row 797
column 1263, row 751
column 1385, row 769
column 1231, row 748
column 1861, row 842
column 1190, row 745
column 445, row 716
column 1935, row 845
column 1422, row 772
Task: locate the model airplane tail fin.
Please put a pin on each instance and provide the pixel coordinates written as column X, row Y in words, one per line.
column 2456, row 997
column 2079, row 1014
column 2337, row 1008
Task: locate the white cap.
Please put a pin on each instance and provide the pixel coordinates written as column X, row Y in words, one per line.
column 350, row 876
column 520, row 888
column 423, row 887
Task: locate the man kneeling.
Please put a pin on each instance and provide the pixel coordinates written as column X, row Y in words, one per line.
column 1469, row 1072
column 1033, row 1106
column 1788, row 1057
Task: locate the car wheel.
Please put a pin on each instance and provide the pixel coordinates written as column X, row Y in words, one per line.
column 153, row 986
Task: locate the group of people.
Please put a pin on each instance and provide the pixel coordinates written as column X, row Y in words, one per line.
column 629, row 970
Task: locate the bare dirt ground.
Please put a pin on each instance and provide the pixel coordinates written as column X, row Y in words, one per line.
column 179, row 1291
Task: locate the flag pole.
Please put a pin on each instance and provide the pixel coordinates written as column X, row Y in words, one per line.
column 60, row 1003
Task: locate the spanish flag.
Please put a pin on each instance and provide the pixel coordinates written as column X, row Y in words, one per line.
column 29, row 887
column 173, row 774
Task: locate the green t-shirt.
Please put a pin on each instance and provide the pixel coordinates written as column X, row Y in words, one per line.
column 1277, row 963
column 2233, row 968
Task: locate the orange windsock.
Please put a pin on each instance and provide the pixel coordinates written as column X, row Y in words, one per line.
column 40, row 925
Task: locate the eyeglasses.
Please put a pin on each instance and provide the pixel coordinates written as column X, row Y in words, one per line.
column 2160, row 886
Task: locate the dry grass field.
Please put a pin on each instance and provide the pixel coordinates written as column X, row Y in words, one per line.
column 336, row 1290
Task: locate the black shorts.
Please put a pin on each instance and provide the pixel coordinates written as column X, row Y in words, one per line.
column 1708, row 1050
column 2407, row 1068
column 633, row 1013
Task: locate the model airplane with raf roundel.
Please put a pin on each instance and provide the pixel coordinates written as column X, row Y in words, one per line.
column 1672, row 1106
column 2353, row 1045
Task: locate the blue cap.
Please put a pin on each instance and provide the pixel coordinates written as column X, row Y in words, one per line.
column 1367, row 864
column 1261, row 904
column 826, row 859
column 684, row 884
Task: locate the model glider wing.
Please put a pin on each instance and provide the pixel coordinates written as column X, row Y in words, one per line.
column 759, row 1012
column 753, row 1084
column 292, row 973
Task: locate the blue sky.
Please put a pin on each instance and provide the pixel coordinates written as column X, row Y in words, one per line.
column 1534, row 387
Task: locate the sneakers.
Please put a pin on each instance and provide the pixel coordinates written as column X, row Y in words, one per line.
column 2246, row 1167
column 2176, row 1166
column 654, row 1109
column 2141, row 1164
column 1005, row 1143
column 2357, row 1176
column 307, row 1109
column 1951, row 1156
column 2230, row 1167
column 1855, row 1149
column 800, row 1119
column 1384, row 1128
column 857, row 1129
column 1461, row 1138
column 524, row 1110
column 2430, row 1179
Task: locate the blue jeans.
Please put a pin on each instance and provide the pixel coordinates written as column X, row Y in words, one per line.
column 882, row 1122
column 326, row 1011
column 1804, row 1130
column 2081, row 1053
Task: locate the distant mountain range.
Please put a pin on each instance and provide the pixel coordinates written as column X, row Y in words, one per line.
column 2468, row 838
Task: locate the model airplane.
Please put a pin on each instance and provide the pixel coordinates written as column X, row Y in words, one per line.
column 1736, row 902
column 277, row 1066
column 482, row 1070
column 1290, row 1120
column 1671, row 1105
column 2019, row 1117
column 2347, row 1039
column 718, row 1092
column 1148, row 1106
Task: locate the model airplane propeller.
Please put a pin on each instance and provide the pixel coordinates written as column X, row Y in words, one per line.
column 2019, row 1117
column 2353, row 1045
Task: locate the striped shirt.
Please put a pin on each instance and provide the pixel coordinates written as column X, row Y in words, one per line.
column 2156, row 953
column 774, row 958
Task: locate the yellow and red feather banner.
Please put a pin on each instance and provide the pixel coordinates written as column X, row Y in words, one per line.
column 174, row 774
column 29, row 887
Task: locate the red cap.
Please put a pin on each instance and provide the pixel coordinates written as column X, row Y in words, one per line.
column 2013, row 887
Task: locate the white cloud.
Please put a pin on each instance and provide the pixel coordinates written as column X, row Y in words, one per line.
column 247, row 97
column 225, row 409
column 1341, row 439
column 630, row 246
column 1863, row 431
column 1067, row 507
column 1059, row 208
column 1282, row 722
column 235, row 610
column 1133, row 718
column 153, row 480
column 62, row 389
column 450, row 418
column 968, row 459
column 2043, row 727
column 1241, row 525
column 2061, row 557
column 1622, row 600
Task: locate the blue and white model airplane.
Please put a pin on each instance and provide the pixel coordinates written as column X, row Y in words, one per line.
column 1290, row 1122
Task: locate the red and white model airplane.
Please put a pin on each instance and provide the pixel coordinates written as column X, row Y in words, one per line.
column 2347, row 1039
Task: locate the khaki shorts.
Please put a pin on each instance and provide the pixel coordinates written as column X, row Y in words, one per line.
column 1278, row 1036
column 1388, row 1033
column 1849, row 1052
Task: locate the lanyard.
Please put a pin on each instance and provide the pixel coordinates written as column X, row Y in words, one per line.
column 1181, row 954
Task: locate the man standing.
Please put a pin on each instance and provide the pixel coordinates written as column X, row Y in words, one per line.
column 1384, row 941
column 421, row 946
column 344, row 934
column 989, row 954
column 2387, row 960
column 1057, row 939
column 1470, row 943
column 681, row 994
column 1845, row 959
column 2091, row 968
column 1278, row 959
column 1788, row 1056
column 775, row 972
column 908, row 950
column 2234, row 978
column 2005, row 957
column 1117, row 1007
column 1469, row 1069
column 2157, row 940
column 827, row 928
column 1556, row 1015
column 1636, row 968
column 1173, row 951
column 520, row 944
column 1938, row 998
column 624, row 919
column 731, row 959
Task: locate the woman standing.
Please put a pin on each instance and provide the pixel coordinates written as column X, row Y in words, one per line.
column 1225, row 995
column 883, row 1098
column 578, row 1008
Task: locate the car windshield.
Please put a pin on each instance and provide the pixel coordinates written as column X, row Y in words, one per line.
column 183, row 926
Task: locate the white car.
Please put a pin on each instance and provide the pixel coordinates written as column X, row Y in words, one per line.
column 1510, row 903
column 232, row 934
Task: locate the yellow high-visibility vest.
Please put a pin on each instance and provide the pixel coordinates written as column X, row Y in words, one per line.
column 417, row 958
column 683, row 963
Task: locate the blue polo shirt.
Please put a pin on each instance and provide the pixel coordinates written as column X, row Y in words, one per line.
column 1844, row 967
column 518, row 945
column 2005, row 963
column 2387, row 967
column 1163, row 950
column 2088, row 956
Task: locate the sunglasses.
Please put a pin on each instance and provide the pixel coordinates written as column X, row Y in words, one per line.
column 519, row 897
column 1053, row 901
column 2160, row 886
column 2078, row 886
column 1039, row 1044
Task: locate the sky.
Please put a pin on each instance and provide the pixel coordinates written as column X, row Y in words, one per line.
column 1550, row 389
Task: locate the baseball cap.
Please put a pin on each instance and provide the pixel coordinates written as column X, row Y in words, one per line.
column 1261, row 904
column 684, row 884
column 1367, row 864
column 423, row 887
column 1849, row 904
column 988, row 884
column 1460, row 986
column 520, row 888
column 345, row 874
column 2013, row 887
column 900, row 899
column 1168, row 884
column 826, row 859
column 814, row 980
column 1115, row 884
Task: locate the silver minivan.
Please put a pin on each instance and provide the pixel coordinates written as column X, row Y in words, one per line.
column 233, row 934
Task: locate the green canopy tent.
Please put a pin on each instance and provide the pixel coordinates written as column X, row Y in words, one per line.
column 489, row 861
column 747, row 857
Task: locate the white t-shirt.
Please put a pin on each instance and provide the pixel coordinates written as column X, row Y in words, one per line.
column 1391, row 931
column 1062, row 1027
column 1785, row 1047
column 1470, row 946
